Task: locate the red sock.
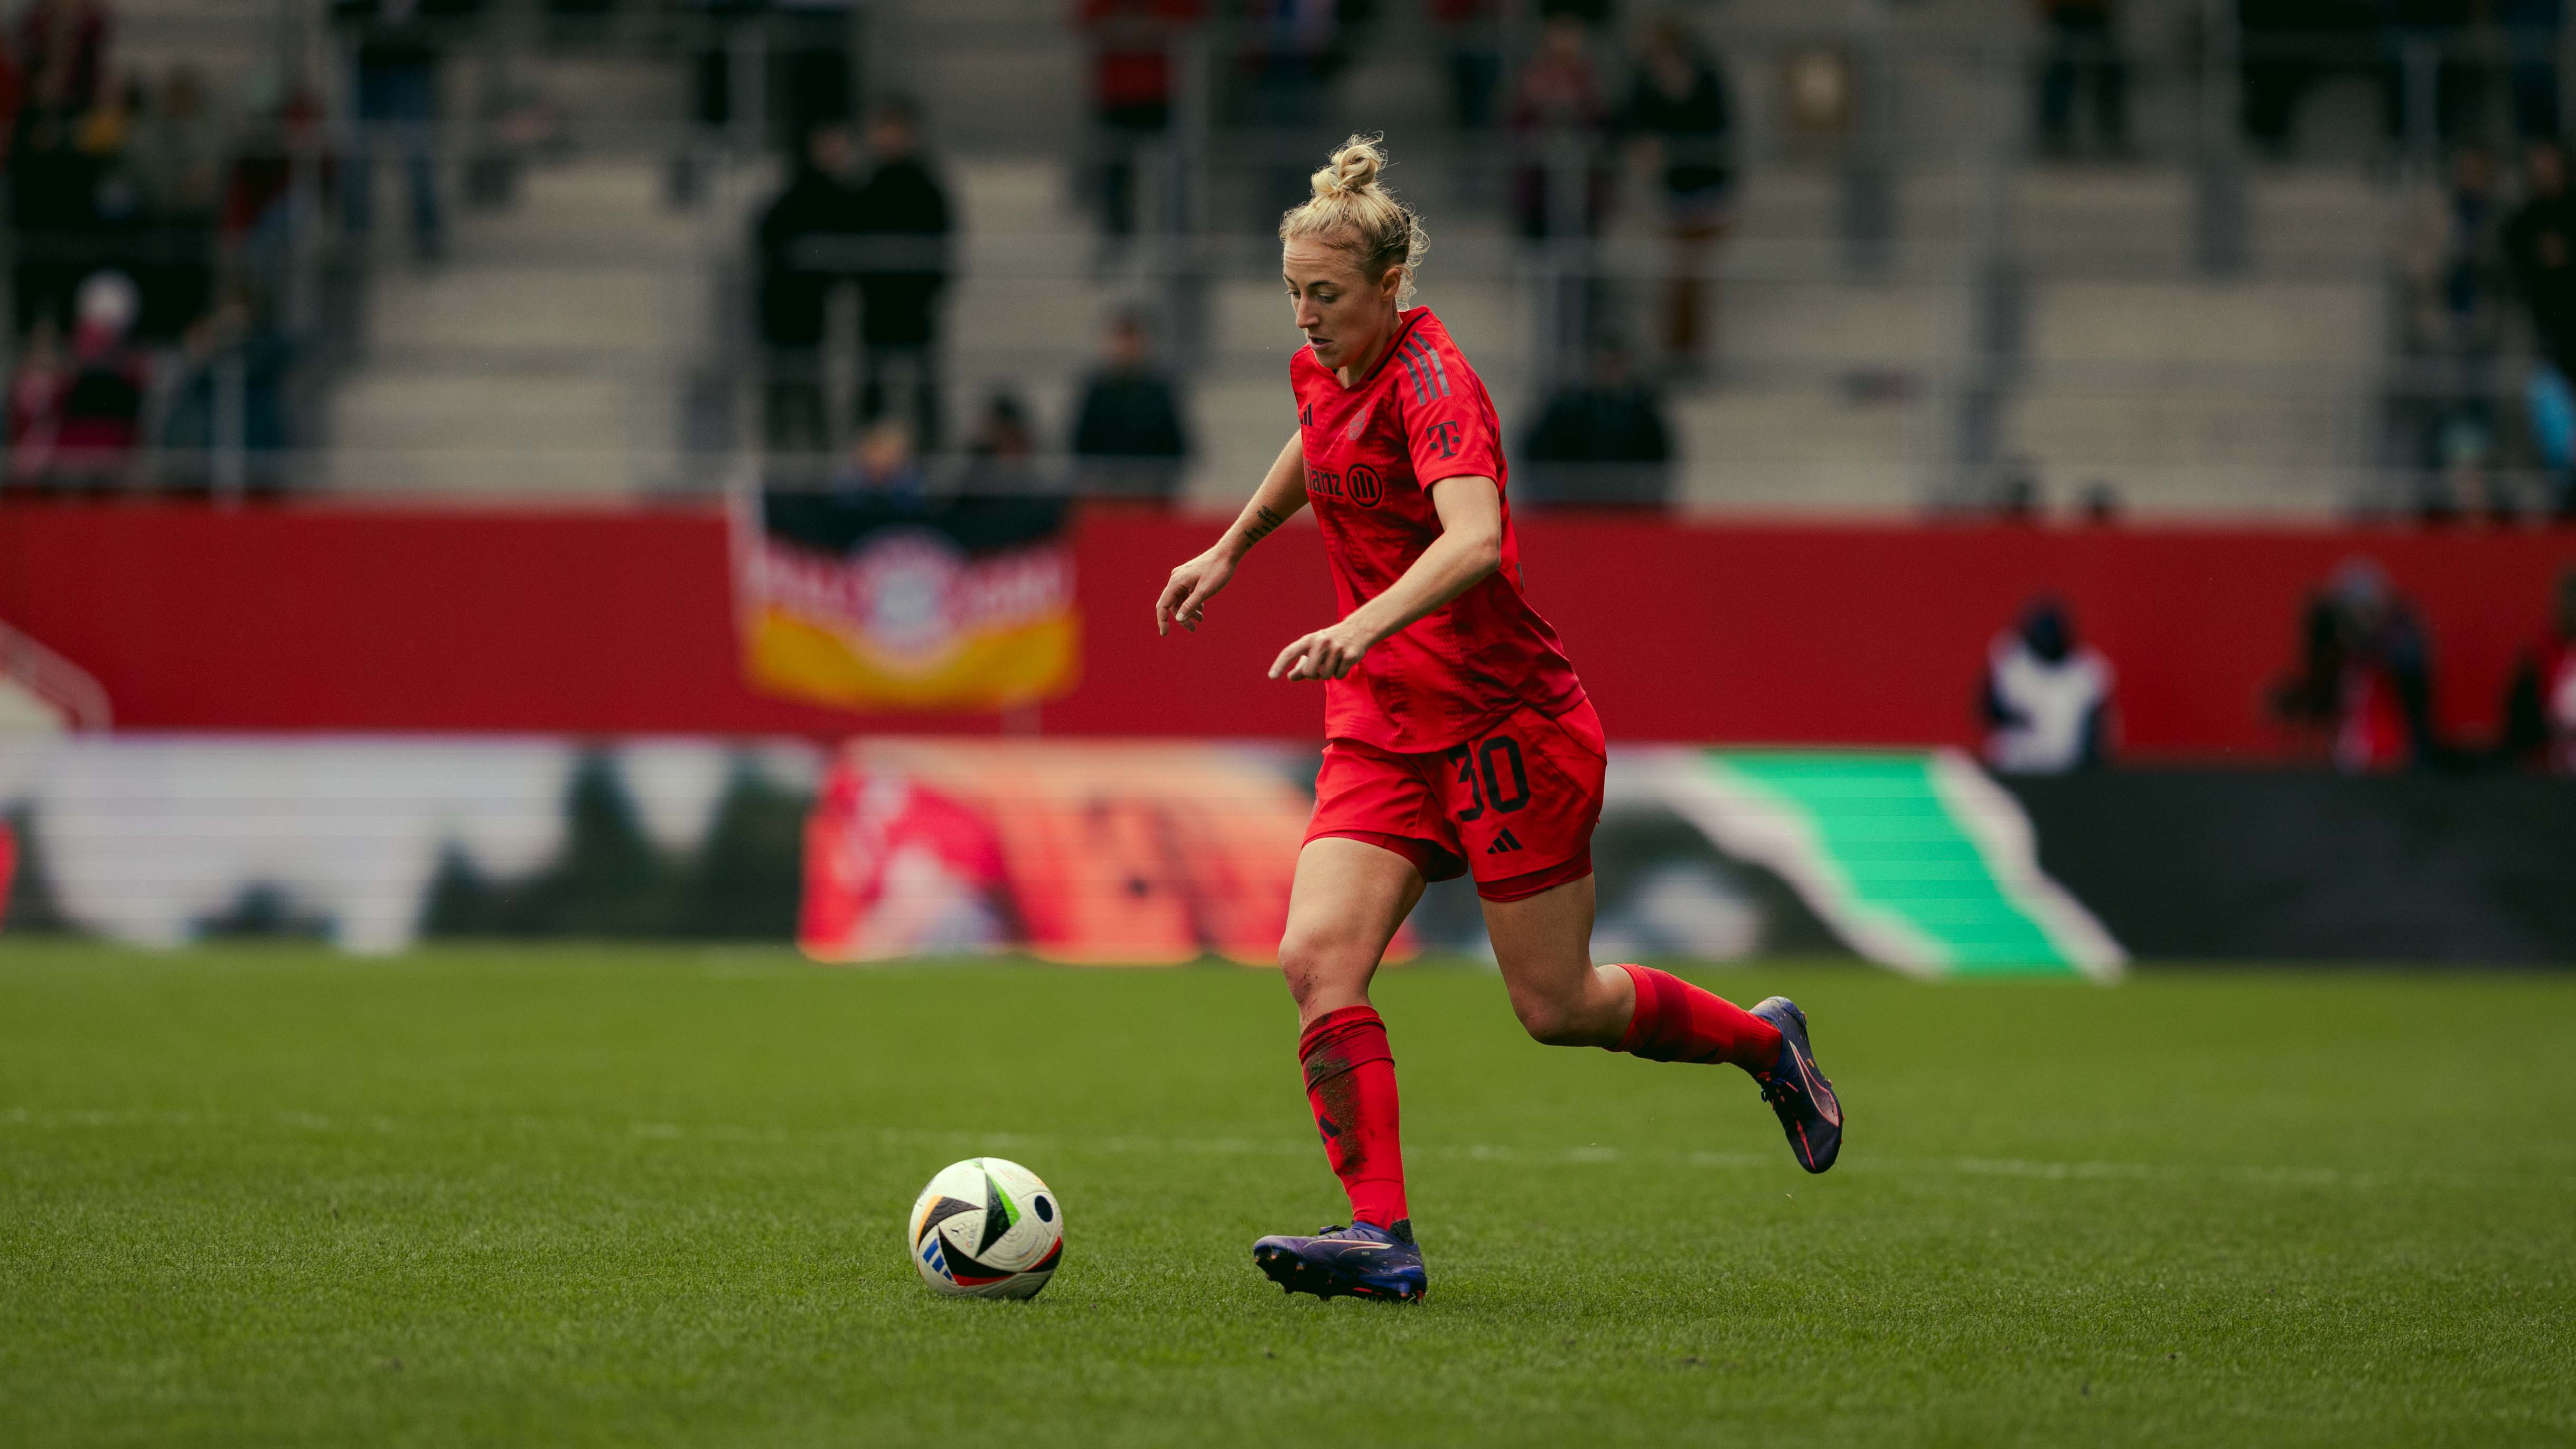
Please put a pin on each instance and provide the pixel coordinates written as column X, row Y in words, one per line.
column 1350, row 1082
column 1678, row 1022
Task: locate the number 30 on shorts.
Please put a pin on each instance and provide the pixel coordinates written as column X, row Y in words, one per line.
column 1484, row 768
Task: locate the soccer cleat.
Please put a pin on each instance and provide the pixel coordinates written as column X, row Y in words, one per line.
column 1798, row 1092
column 1362, row 1261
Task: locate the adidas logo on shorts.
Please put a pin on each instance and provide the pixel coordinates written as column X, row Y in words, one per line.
column 1502, row 842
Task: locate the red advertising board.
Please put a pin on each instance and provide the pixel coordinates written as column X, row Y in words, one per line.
column 620, row 621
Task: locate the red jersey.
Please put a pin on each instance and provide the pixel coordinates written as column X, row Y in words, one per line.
column 1372, row 453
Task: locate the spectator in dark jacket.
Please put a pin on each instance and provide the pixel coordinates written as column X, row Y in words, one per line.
column 2540, row 703
column 1602, row 443
column 2366, row 676
column 2540, row 251
column 2540, row 247
column 1681, row 107
column 399, row 45
column 819, row 207
column 903, row 220
column 1128, row 438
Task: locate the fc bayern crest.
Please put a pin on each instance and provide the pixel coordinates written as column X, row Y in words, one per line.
column 1359, row 424
column 1365, row 488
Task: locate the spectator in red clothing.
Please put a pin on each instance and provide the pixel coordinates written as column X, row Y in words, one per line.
column 2540, row 704
column 2366, row 680
column 1132, row 70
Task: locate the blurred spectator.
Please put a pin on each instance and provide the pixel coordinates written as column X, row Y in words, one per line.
column 1001, row 449
column 1292, row 45
column 2098, row 503
column 1002, row 434
column 882, row 468
column 13, row 93
column 67, row 128
column 1127, row 439
column 2081, row 50
column 2540, row 252
column 1471, row 42
column 1681, row 108
column 818, row 205
column 230, row 394
column 62, row 46
column 2540, row 703
column 1131, row 93
column 2365, row 677
column 282, row 167
column 2451, row 259
column 74, row 421
column 902, row 214
column 2429, row 40
column 36, row 390
column 173, row 169
column 2286, row 47
column 2015, row 491
column 1601, row 443
column 2531, row 44
column 2046, row 700
column 399, row 45
column 178, row 151
column 1559, row 119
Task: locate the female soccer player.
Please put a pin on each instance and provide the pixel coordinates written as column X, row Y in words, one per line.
column 1458, row 738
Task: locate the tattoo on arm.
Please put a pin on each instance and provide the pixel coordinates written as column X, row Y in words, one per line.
column 1262, row 525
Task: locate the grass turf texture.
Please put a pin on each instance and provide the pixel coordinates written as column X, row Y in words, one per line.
column 591, row 1196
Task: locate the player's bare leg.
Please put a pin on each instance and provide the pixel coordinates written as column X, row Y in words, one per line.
column 1348, row 900
column 1543, row 943
column 1343, row 908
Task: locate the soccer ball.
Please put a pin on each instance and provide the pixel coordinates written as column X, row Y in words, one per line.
column 986, row 1228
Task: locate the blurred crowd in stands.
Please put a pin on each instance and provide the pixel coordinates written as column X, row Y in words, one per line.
column 161, row 228
column 150, row 255
column 2488, row 271
column 2361, row 688
column 1598, row 438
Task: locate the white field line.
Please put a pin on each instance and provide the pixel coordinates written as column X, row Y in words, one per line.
column 1589, row 1155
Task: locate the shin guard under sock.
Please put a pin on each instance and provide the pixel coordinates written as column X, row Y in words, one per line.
column 1350, row 1083
column 1678, row 1022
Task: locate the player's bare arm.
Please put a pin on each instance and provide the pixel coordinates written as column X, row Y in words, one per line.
column 1470, row 546
column 1281, row 494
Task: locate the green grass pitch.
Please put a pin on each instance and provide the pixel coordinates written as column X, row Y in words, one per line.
column 574, row 1196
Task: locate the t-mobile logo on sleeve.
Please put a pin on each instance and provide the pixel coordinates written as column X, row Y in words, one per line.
column 1444, row 436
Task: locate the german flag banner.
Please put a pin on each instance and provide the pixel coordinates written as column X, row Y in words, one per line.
column 873, row 601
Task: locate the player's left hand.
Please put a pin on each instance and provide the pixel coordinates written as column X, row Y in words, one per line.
column 1324, row 654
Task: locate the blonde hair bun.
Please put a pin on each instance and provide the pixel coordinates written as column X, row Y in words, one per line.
column 1352, row 170
column 1352, row 211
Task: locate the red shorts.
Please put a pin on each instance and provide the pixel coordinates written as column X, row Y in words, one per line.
column 1515, row 807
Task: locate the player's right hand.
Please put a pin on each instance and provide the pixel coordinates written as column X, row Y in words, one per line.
column 1184, row 599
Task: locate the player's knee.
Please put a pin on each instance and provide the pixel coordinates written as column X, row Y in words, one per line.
column 1552, row 1021
column 1318, row 965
